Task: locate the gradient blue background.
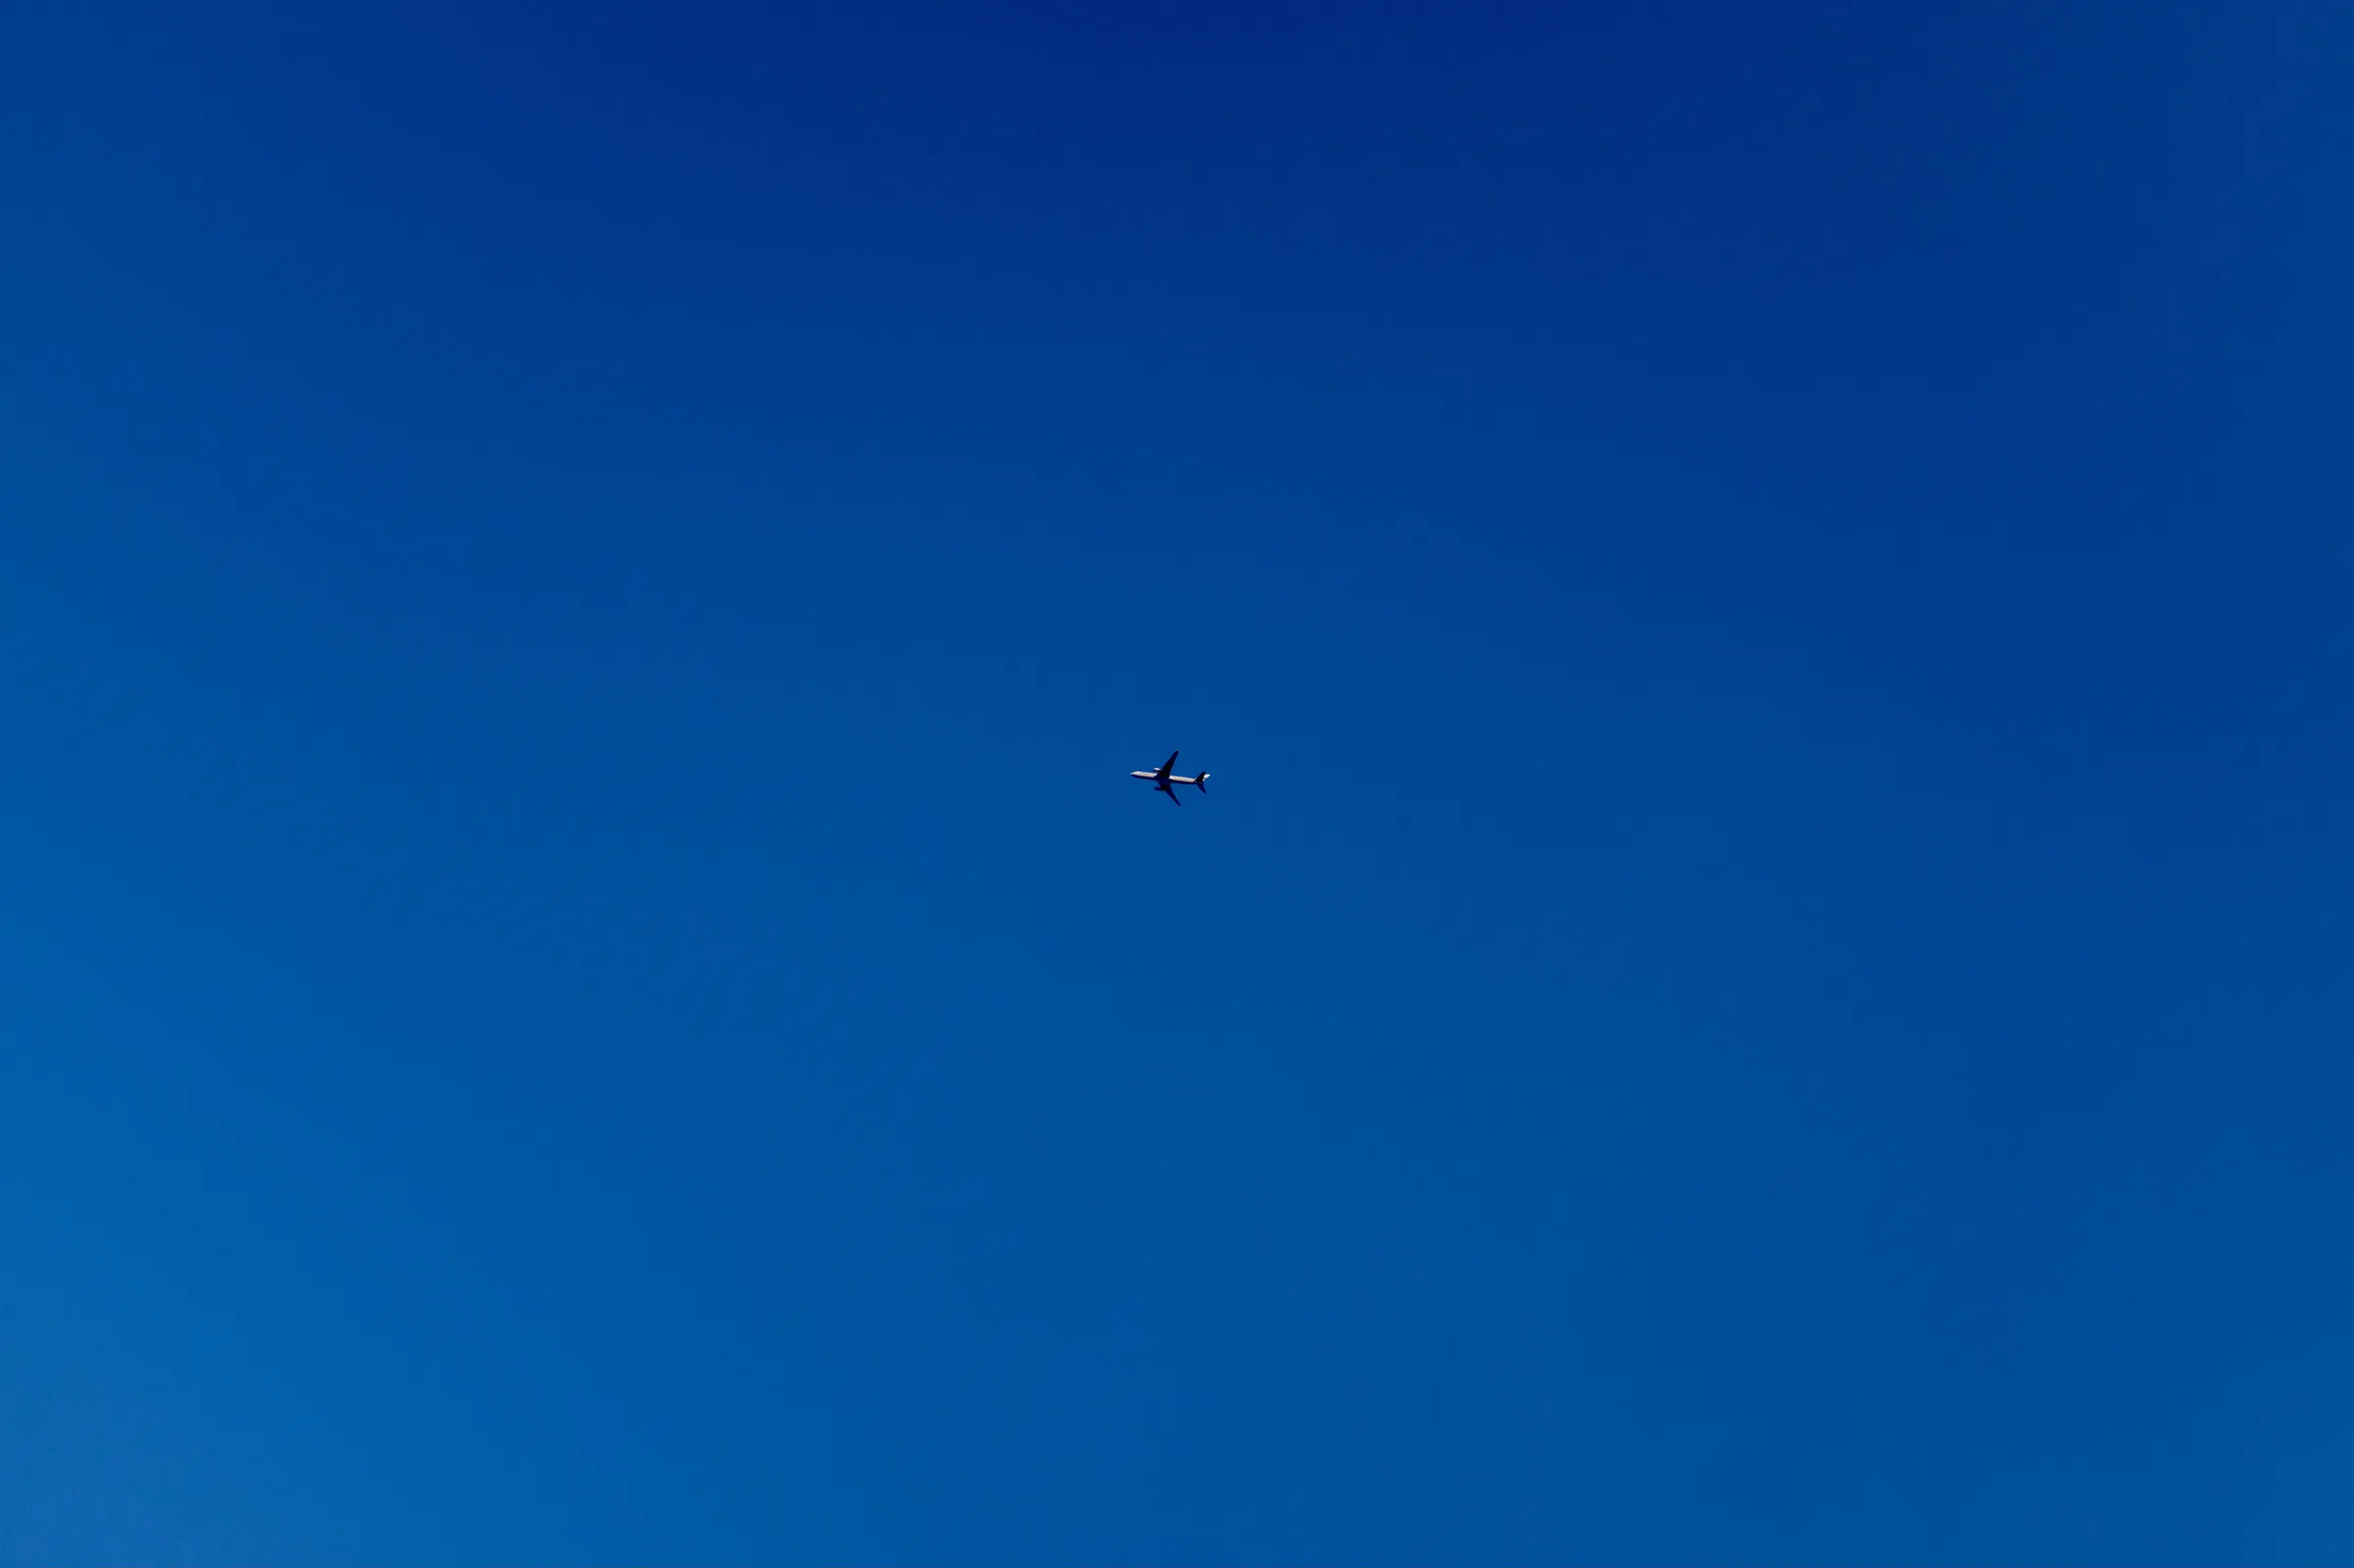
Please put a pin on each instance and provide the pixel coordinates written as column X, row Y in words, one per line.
column 1764, row 977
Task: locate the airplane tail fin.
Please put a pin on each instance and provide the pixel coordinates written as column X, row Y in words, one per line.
column 1201, row 781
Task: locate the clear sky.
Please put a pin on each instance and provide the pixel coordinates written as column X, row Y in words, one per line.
column 1764, row 977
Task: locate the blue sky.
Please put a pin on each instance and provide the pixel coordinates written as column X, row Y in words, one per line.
column 1764, row 978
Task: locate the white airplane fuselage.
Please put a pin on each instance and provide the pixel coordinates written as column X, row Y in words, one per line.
column 1166, row 777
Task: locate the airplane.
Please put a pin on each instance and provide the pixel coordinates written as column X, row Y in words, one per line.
column 1161, row 780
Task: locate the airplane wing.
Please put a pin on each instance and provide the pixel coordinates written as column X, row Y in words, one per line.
column 1166, row 766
